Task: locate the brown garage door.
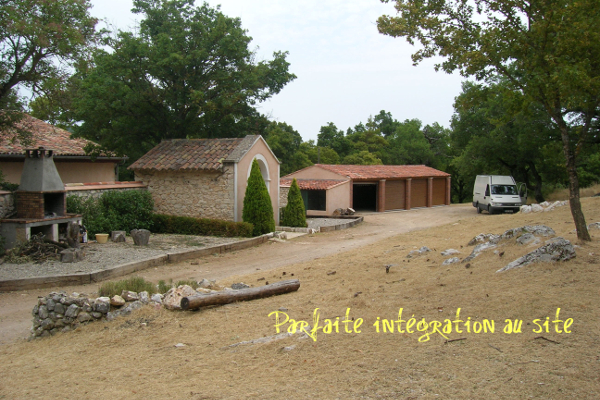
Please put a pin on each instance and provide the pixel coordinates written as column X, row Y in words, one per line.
column 439, row 191
column 394, row 195
column 418, row 193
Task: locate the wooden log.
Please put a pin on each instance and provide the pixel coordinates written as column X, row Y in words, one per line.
column 211, row 299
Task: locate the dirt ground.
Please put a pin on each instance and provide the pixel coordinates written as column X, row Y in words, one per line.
column 187, row 355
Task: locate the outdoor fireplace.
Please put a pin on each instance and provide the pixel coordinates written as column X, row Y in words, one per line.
column 40, row 201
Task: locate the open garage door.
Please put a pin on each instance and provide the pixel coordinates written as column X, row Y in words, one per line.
column 364, row 196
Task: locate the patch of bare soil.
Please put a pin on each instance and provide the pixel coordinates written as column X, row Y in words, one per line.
column 534, row 362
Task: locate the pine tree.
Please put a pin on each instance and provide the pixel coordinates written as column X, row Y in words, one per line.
column 258, row 209
column 294, row 213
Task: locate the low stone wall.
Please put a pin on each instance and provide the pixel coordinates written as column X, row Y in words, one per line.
column 96, row 189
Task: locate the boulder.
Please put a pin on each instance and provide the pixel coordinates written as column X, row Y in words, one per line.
column 102, row 305
column 452, row 260
column 525, row 209
column 129, row 295
column 118, row 236
column 558, row 249
column 484, row 237
column 527, row 238
column 172, row 299
column 140, row 236
column 117, row 301
column 536, row 208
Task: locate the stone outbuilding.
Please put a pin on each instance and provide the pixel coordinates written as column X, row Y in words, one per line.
column 206, row 178
column 326, row 188
column 72, row 162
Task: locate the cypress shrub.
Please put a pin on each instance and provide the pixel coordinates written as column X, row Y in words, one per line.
column 294, row 213
column 258, row 209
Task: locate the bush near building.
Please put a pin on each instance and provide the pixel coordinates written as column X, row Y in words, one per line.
column 294, row 214
column 258, row 209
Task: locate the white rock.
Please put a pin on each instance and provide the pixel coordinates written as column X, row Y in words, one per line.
column 129, row 295
column 452, row 260
column 536, row 208
column 525, row 209
column 450, row 252
column 117, row 301
column 172, row 299
column 144, row 297
column 157, row 298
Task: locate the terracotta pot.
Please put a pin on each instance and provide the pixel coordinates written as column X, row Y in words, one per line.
column 102, row 237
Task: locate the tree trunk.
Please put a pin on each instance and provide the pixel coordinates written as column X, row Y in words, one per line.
column 574, row 200
column 539, row 197
column 203, row 300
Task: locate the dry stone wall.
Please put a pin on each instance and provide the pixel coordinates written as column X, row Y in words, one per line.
column 198, row 194
column 96, row 193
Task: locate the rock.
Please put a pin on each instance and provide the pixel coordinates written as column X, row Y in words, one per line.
column 280, row 235
column 558, row 249
column 84, row 317
column 129, row 295
column 289, row 348
column 136, row 305
column 484, row 237
column 50, row 304
column 59, row 308
column 157, row 298
column 43, row 312
column 47, row 324
column 72, row 311
column 97, row 315
column 536, row 208
column 527, row 238
column 172, row 299
column 424, row 250
column 525, row 209
column 594, row 225
column 72, row 255
column 238, row 286
column 117, row 301
column 118, row 236
column 144, row 297
column 544, row 204
column 478, row 249
column 452, row 260
column 140, row 236
column 205, row 283
column 102, row 305
column 450, row 252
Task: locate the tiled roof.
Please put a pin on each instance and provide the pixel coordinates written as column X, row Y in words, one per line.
column 312, row 184
column 44, row 135
column 188, row 154
column 364, row 172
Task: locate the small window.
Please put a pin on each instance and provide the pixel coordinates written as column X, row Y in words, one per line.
column 487, row 190
column 315, row 200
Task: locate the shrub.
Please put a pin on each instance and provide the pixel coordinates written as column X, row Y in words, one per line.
column 258, row 209
column 200, row 226
column 134, row 284
column 114, row 210
column 294, row 213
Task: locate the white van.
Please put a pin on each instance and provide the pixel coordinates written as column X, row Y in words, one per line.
column 498, row 193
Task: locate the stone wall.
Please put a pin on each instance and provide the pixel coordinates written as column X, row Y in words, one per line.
column 199, row 194
column 96, row 193
column 283, row 195
column 7, row 204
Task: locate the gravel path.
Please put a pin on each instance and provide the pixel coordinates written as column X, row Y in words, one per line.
column 100, row 257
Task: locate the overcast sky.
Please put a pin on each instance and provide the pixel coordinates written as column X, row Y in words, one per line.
column 346, row 71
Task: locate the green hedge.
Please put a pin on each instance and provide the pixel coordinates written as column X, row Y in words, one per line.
column 114, row 211
column 200, row 226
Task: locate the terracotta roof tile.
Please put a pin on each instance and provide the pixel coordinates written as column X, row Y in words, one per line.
column 187, row 154
column 366, row 172
column 44, row 135
column 312, row 184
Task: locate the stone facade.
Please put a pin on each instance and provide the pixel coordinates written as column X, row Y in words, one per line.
column 7, row 205
column 199, row 194
column 283, row 195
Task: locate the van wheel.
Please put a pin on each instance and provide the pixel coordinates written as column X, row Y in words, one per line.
column 489, row 209
column 478, row 208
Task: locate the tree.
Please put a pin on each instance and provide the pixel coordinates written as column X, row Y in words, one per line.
column 40, row 42
column 186, row 72
column 258, row 209
column 294, row 213
column 285, row 142
column 546, row 50
column 362, row 157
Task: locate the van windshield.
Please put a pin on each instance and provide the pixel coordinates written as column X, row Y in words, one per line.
column 504, row 189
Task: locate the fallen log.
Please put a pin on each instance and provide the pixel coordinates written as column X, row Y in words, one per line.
column 211, row 299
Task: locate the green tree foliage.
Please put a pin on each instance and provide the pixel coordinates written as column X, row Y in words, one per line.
column 363, row 157
column 546, row 50
column 186, row 72
column 285, row 143
column 318, row 154
column 330, row 136
column 258, row 209
column 40, row 42
column 294, row 213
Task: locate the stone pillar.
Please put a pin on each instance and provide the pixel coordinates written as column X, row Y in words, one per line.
column 448, row 191
column 407, row 193
column 429, row 192
column 381, row 196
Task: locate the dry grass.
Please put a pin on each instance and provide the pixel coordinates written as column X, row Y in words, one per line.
column 563, row 194
column 136, row 357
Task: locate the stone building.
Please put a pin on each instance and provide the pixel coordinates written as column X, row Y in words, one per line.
column 206, row 178
column 326, row 188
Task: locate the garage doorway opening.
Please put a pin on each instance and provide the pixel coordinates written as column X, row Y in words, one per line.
column 364, row 196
